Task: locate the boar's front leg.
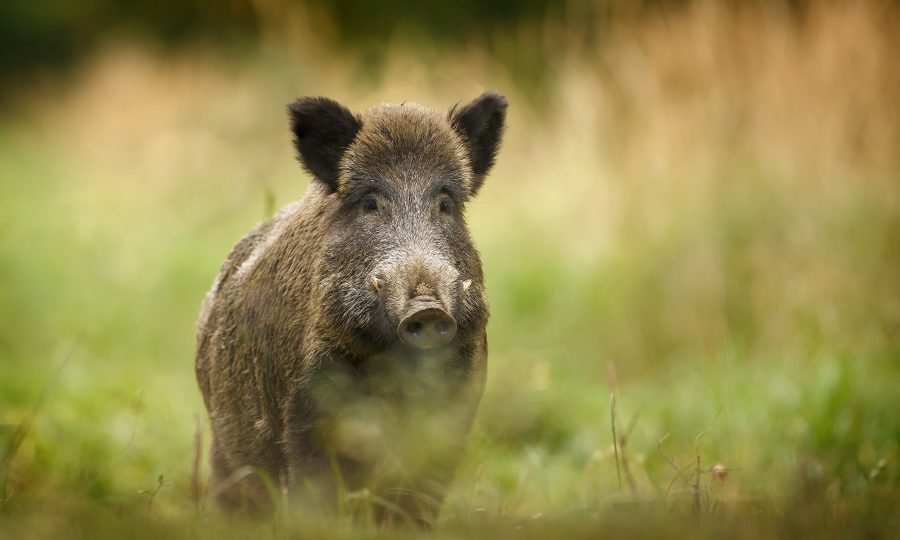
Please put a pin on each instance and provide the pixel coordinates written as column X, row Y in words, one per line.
column 314, row 407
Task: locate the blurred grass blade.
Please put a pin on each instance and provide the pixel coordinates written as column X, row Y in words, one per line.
column 24, row 427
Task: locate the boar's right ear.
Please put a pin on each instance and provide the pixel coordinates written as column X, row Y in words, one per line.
column 323, row 129
column 481, row 125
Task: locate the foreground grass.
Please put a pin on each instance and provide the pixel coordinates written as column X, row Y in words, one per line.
column 720, row 252
column 810, row 452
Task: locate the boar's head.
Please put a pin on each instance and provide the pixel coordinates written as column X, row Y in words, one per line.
column 398, row 267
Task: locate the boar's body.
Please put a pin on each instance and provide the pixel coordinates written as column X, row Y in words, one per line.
column 345, row 336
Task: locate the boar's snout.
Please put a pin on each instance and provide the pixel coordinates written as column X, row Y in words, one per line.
column 426, row 325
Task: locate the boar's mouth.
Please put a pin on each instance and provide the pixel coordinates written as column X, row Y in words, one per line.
column 426, row 324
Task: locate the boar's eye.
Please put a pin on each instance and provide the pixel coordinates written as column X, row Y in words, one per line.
column 369, row 204
column 445, row 205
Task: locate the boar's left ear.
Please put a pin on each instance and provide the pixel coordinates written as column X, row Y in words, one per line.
column 323, row 129
column 481, row 125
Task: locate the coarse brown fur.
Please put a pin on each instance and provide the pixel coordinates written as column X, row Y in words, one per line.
column 298, row 357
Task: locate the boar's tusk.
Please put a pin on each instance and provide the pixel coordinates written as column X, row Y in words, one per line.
column 376, row 283
column 466, row 284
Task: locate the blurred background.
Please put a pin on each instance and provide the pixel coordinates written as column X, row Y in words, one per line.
column 696, row 208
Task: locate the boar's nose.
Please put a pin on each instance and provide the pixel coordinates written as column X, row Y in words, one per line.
column 426, row 324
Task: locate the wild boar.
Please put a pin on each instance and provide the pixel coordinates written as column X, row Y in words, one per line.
column 343, row 345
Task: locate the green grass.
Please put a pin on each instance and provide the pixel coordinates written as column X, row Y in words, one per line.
column 732, row 259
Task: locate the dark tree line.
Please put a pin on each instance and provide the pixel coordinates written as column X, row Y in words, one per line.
column 50, row 34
